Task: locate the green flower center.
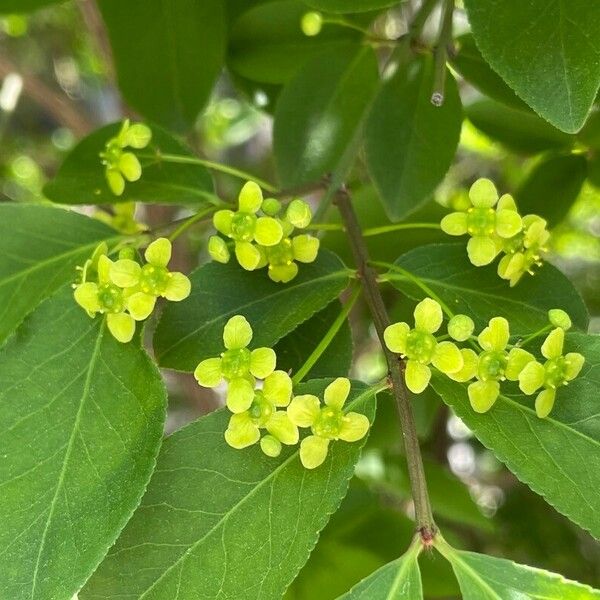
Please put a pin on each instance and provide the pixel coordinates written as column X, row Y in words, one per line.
column 481, row 221
column 154, row 280
column 420, row 346
column 492, row 365
column 281, row 254
column 555, row 372
column 110, row 298
column 112, row 154
column 235, row 363
column 243, row 226
column 260, row 410
column 329, row 423
column 514, row 244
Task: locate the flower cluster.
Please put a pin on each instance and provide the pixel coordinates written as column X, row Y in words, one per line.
column 495, row 226
column 267, row 414
column 121, row 165
column 126, row 291
column 264, row 240
column 494, row 361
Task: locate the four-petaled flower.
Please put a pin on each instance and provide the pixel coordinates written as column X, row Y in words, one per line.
column 327, row 423
column 421, row 348
column 557, row 371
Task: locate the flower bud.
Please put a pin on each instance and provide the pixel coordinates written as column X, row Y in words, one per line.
column 299, row 214
column 460, row 327
column 559, row 318
column 218, row 250
column 311, row 23
column 271, row 206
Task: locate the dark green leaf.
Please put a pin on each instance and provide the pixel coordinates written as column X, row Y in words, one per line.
column 349, row 6
column 410, row 143
column 518, row 130
column 552, row 187
column 168, row 55
column 484, row 577
column 558, row 456
column 21, row 6
column 81, row 179
column 192, row 330
column 267, row 43
column 293, row 350
column 318, row 111
column 480, row 293
column 40, row 247
column 81, row 421
column 544, row 52
column 218, row 522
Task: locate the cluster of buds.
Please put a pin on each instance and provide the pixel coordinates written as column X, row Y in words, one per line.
column 495, row 226
column 126, row 291
column 122, row 165
column 269, row 414
column 260, row 232
column 494, row 361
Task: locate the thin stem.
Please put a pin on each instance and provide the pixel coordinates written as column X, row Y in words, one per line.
column 209, row 164
column 328, row 337
column 441, row 54
column 397, row 227
column 420, row 18
column 423, row 514
column 534, row 335
column 191, row 221
column 326, row 227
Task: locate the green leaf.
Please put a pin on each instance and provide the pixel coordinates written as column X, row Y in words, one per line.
column 168, row 55
column 480, row 293
column 471, row 65
column 293, row 350
column 410, row 143
column 218, row 522
column 192, row 330
column 397, row 580
column 552, row 186
column 81, row 178
column 267, row 44
column 484, row 577
column 518, row 130
column 544, row 52
column 40, row 247
column 318, row 110
column 558, row 456
column 349, row 6
column 81, row 421
column 22, row 6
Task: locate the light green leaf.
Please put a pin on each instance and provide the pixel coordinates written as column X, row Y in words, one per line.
column 318, row 111
column 558, row 456
column 168, row 55
column 410, row 143
column 484, row 577
column 480, row 293
column 349, row 6
column 520, row 131
column 81, row 178
column 546, row 51
column 223, row 523
column 398, row 580
column 191, row 331
column 81, row 421
column 22, row 6
column 40, row 247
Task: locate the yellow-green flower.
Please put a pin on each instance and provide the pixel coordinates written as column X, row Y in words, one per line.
column 524, row 250
column 557, row 371
column 122, row 219
column 245, row 427
column 327, row 423
column 237, row 365
column 119, row 164
column 488, row 220
column 421, row 348
column 495, row 364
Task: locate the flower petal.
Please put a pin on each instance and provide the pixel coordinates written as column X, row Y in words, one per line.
column 268, row 231
column 531, row 377
column 495, row 336
column 116, row 181
column 125, row 272
column 508, row 223
column 395, row 337
column 313, row 451
column 208, row 373
column 86, row 295
column 506, row 202
column 237, row 333
column 130, row 166
column 455, row 223
column 222, row 221
column 559, row 318
column 281, row 426
column 240, row 393
column 483, row 193
column 277, row 388
column 305, row 248
column 469, row 369
column 417, row 376
column 250, row 197
column 218, row 250
column 270, row 445
column 158, row 253
column 103, row 268
column 517, row 360
column 573, row 363
column 354, row 427
column 298, row 213
column 337, row 392
column 481, row 250
column 248, row 255
column 283, row 273
column 447, row 358
column 483, row 394
column 544, row 403
column 241, row 432
column 140, row 305
column 122, row 326
column 553, row 344
column 428, row 315
column 304, row 409
column 178, row 287
column 262, row 362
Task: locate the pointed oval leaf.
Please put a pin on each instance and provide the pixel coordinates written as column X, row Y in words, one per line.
column 218, row 522
column 40, row 246
column 192, row 330
column 81, row 421
column 81, row 179
column 546, row 51
column 21, row 6
column 480, row 293
column 558, row 456
column 410, row 143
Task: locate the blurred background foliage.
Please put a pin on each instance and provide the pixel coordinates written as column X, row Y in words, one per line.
column 58, row 83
